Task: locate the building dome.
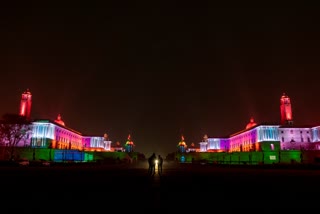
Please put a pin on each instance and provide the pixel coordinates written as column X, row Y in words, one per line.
column 251, row 123
column 59, row 120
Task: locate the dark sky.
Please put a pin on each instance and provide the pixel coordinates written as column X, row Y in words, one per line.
column 159, row 70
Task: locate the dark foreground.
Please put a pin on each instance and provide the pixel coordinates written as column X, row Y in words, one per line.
column 179, row 185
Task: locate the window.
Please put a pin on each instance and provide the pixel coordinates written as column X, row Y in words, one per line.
column 273, row 157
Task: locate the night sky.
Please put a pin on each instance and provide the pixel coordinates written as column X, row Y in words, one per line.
column 160, row 70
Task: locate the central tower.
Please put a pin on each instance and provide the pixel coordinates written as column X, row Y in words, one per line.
column 285, row 110
column 25, row 104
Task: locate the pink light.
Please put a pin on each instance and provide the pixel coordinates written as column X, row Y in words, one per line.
column 23, row 109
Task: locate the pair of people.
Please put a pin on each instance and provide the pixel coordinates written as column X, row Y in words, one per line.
column 152, row 164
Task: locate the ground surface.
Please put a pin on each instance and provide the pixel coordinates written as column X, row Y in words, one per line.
column 180, row 185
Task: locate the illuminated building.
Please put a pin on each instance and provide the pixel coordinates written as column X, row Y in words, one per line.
column 266, row 136
column 49, row 134
column 25, row 104
column 55, row 134
column 252, row 139
column 261, row 143
column 213, row 144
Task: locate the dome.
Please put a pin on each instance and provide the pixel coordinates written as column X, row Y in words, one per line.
column 58, row 120
column 251, row 123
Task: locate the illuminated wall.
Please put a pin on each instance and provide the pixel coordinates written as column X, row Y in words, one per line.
column 243, row 141
column 46, row 134
column 298, row 138
column 107, row 145
column 267, row 138
column 315, row 134
column 267, row 133
column 43, row 133
column 315, row 137
column 203, row 146
column 26, row 140
column 96, row 143
column 213, row 143
column 247, row 140
column 225, row 144
column 86, row 141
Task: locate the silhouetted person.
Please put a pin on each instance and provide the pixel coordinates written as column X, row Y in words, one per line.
column 152, row 164
column 160, row 162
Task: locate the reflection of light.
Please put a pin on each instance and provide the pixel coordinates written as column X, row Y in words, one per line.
column 156, row 161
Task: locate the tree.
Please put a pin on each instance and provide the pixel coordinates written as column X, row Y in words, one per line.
column 13, row 128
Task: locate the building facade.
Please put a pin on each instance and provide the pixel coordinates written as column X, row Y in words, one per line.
column 47, row 133
column 266, row 137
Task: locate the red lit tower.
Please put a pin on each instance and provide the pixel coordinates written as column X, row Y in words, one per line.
column 25, row 104
column 285, row 110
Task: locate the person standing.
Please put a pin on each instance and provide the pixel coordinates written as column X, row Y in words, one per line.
column 152, row 164
column 160, row 162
